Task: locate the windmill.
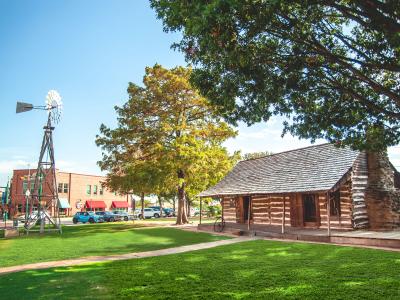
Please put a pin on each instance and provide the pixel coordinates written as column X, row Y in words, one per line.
column 45, row 195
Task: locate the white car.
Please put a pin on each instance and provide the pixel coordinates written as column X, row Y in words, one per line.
column 148, row 213
column 33, row 215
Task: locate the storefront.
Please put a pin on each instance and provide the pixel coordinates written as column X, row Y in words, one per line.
column 119, row 205
column 63, row 206
column 95, row 205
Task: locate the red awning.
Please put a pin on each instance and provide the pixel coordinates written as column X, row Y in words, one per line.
column 119, row 204
column 95, row 204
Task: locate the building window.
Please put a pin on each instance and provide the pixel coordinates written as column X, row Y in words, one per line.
column 101, row 190
column 60, row 187
column 95, row 190
column 65, row 187
column 88, row 189
column 335, row 203
column 25, row 187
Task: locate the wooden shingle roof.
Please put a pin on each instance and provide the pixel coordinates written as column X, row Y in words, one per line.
column 314, row 168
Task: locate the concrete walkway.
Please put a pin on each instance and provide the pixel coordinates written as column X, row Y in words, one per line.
column 96, row 259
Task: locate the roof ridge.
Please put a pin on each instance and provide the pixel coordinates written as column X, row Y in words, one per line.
column 286, row 151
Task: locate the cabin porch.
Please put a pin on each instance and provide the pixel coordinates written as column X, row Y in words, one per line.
column 348, row 237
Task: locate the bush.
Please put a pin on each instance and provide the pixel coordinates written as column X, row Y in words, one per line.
column 214, row 211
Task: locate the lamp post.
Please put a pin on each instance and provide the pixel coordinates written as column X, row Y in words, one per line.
column 28, row 194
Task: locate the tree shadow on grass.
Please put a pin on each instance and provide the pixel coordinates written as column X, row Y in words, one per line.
column 268, row 270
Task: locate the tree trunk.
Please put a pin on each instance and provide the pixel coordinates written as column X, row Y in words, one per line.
column 133, row 204
column 142, row 204
column 161, row 207
column 187, row 205
column 181, row 216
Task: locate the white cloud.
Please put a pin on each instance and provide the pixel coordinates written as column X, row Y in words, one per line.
column 265, row 137
column 7, row 166
column 394, row 156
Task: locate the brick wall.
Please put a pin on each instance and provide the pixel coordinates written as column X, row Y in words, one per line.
column 75, row 194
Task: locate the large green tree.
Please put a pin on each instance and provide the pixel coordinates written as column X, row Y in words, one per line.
column 332, row 67
column 172, row 132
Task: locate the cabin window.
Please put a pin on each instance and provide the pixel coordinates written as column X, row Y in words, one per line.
column 335, row 203
column 232, row 203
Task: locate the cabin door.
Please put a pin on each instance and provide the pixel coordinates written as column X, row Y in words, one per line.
column 246, row 209
column 309, row 210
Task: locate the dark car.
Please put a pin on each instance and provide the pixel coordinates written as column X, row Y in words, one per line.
column 168, row 212
column 123, row 214
column 109, row 216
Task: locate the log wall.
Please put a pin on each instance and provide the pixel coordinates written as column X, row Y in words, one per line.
column 344, row 220
column 268, row 209
column 229, row 209
column 359, row 186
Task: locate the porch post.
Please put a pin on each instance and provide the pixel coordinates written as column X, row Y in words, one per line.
column 222, row 207
column 328, row 210
column 248, row 214
column 283, row 215
column 201, row 208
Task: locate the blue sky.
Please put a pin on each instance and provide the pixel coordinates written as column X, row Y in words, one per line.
column 88, row 51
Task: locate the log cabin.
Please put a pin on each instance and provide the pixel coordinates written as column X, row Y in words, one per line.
column 321, row 186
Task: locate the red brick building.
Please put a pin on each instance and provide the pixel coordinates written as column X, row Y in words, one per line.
column 76, row 192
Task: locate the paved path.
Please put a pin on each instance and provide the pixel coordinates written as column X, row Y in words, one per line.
column 95, row 259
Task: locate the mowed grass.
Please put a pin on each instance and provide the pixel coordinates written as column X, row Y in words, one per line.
column 96, row 239
column 172, row 220
column 249, row 270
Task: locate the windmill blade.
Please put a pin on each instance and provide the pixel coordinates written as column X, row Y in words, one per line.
column 23, row 107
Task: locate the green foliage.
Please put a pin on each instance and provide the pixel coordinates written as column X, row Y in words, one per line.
column 249, row 270
column 213, row 210
column 254, row 155
column 168, row 137
column 331, row 67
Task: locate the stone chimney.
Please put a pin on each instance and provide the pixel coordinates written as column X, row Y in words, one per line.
column 381, row 197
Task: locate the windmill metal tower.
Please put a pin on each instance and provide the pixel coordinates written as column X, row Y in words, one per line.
column 45, row 194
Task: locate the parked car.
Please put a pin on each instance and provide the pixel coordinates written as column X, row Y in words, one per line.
column 167, row 212
column 109, row 216
column 87, row 216
column 148, row 213
column 122, row 214
column 34, row 215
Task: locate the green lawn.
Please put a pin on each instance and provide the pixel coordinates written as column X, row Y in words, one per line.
column 97, row 239
column 250, row 270
column 172, row 220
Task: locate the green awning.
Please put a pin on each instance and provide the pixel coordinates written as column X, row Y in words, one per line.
column 63, row 203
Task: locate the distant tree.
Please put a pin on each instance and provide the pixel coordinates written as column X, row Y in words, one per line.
column 253, row 155
column 170, row 131
column 125, row 173
column 331, row 66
